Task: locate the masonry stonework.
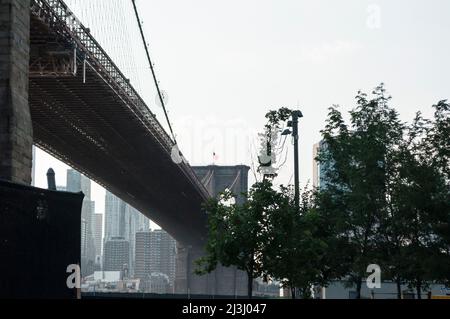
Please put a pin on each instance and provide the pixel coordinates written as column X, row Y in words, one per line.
column 224, row 281
column 16, row 133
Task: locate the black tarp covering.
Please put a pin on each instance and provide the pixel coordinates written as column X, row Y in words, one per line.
column 40, row 235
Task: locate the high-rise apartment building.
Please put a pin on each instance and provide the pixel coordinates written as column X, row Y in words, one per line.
column 320, row 169
column 155, row 258
column 163, row 254
column 116, row 256
column 122, row 220
column 98, row 236
column 142, row 255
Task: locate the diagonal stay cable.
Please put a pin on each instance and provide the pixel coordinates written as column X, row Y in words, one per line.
column 153, row 70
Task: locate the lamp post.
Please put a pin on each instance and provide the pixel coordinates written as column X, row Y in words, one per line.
column 296, row 115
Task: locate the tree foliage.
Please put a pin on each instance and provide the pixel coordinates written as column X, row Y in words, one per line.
column 384, row 199
column 237, row 232
column 387, row 186
column 291, row 253
column 356, row 183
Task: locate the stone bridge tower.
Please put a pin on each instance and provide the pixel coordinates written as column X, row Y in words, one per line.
column 16, row 131
column 224, row 281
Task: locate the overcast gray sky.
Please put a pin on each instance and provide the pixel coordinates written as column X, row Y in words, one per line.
column 224, row 64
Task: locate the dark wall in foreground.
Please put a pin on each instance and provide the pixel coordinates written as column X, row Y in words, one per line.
column 39, row 238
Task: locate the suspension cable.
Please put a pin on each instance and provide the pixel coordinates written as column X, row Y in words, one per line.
column 153, row 70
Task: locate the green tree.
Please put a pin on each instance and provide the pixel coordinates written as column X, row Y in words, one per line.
column 438, row 142
column 330, row 223
column 237, row 232
column 421, row 197
column 293, row 253
column 355, row 185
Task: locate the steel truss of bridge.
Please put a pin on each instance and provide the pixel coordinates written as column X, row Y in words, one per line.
column 86, row 113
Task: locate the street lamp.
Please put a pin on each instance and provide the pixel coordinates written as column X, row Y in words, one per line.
column 296, row 115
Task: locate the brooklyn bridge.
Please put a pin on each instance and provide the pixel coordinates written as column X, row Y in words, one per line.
column 61, row 91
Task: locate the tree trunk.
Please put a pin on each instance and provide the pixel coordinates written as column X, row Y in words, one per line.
column 419, row 289
column 250, row 285
column 399, row 288
column 250, row 272
column 293, row 293
column 358, row 288
column 305, row 293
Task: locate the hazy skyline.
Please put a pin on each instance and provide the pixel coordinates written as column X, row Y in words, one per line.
column 224, row 64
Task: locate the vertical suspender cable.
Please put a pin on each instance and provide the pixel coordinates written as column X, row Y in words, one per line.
column 153, row 70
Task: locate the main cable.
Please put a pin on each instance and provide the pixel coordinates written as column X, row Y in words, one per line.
column 153, row 70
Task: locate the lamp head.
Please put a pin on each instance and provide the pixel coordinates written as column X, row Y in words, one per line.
column 299, row 114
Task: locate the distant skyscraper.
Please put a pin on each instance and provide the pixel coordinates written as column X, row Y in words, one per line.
column 114, row 217
column 155, row 256
column 316, row 172
column 116, row 255
column 163, row 254
column 76, row 182
column 98, row 235
column 84, row 237
column 142, row 223
column 122, row 220
column 136, row 223
column 142, row 255
column 320, row 169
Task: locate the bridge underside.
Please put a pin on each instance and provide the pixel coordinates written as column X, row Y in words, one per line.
column 80, row 119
